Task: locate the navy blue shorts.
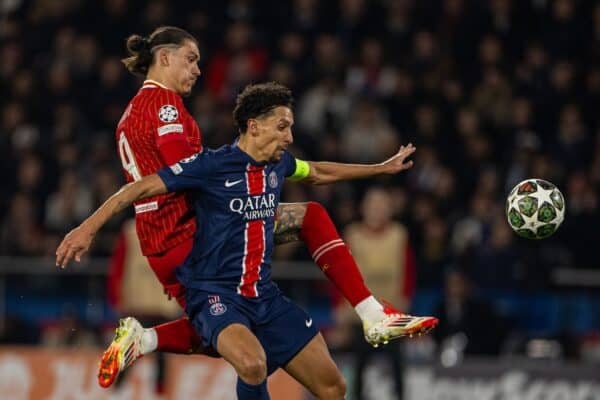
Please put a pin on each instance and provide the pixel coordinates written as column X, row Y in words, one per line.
column 282, row 327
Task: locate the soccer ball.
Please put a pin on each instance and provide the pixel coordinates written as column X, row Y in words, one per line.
column 535, row 209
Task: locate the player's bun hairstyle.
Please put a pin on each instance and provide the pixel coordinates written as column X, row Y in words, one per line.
column 257, row 100
column 141, row 49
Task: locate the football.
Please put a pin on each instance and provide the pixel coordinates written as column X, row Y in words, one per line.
column 535, row 208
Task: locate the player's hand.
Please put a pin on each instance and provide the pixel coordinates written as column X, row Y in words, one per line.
column 398, row 162
column 74, row 245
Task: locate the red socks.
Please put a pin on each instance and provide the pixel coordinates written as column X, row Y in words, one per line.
column 331, row 254
column 178, row 337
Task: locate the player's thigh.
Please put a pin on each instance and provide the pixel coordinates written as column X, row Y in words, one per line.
column 239, row 346
column 212, row 315
column 237, row 341
column 314, row 368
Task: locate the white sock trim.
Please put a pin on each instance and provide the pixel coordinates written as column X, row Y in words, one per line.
column 149, row 341
column 370, row 310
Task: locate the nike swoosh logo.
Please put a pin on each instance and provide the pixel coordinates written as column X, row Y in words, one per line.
column 308, row 322
column 230, row 184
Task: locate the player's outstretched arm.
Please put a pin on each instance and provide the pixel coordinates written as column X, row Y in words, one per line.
column 77, row 242
column 324, row 172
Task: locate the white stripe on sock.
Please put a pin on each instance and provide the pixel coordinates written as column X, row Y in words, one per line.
column 328, row 249
column 317, row 251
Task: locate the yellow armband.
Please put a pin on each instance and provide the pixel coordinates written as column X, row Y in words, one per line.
column 301, row 172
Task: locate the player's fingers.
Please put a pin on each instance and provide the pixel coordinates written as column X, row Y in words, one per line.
column 68, row 257
column 79, row 253
column 406, row 152
column 408, row 146
column 409, row 150
column 60, row 253
column 407, row 164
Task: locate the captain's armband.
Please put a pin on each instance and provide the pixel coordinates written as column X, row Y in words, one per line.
column 301, row 172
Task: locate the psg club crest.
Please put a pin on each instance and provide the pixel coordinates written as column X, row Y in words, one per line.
column 217, row 309
column 273, row 180
column 168, row 113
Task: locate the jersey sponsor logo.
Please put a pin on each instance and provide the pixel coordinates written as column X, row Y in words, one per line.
column 171, row 128
column 217, row 309
column 273, row 180
column 176, row 168
column 189, row 159
column 229, row 183
column 254, row 207
column 142, row 208
column 168, row 113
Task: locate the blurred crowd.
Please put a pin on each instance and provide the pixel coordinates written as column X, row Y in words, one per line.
column 491, row 92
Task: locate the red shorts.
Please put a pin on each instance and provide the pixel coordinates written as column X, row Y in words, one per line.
column 164, row 266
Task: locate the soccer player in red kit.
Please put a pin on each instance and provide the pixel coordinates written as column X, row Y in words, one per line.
column 157, row 131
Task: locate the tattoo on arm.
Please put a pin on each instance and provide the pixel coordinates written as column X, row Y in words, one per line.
column 289, row 222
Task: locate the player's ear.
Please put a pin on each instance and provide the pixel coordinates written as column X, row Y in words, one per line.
column 252, row 127
column 163, row 57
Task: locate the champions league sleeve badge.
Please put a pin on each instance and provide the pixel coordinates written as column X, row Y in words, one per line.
column 168, row 113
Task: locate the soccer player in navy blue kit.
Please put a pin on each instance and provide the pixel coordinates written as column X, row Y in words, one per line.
column 231, row 299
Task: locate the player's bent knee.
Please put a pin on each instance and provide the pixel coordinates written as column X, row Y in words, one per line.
column 334, row 389
column 252, row 369
column 316, row 207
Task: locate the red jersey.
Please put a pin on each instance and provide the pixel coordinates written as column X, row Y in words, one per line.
column 155, row 131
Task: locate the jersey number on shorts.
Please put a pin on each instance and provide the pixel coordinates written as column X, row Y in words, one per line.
column 127, row 158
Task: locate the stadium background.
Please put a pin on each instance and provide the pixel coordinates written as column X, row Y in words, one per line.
column 490, row 92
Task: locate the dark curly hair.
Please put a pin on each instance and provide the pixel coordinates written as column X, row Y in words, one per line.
column 260, row 99
column 141, row 48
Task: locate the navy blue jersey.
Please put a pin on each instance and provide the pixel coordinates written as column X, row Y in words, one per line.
column 235, row 199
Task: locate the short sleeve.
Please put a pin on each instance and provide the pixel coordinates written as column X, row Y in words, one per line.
column 189, row 173
column 289, row 163
column 294, row 169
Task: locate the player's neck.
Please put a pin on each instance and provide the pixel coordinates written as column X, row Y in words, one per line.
column 157, row 78
column 250, row 148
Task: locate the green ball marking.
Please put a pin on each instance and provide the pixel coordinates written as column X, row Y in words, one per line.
column 545, row 184
column 546, row 213
column 528, row 205
column 546, row 230
column 515, row 218
column 526, row 233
